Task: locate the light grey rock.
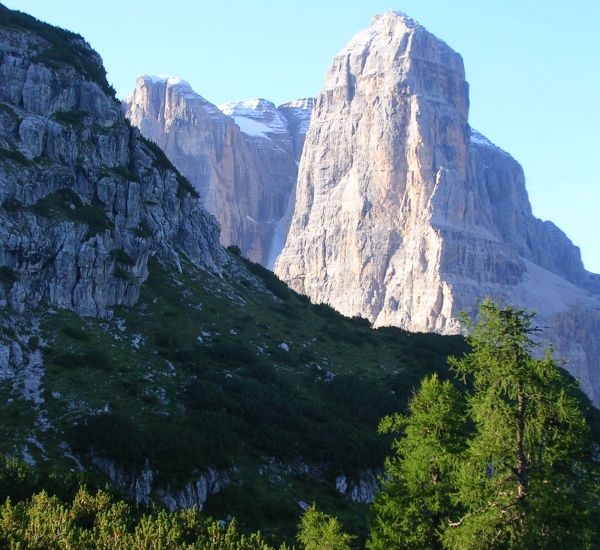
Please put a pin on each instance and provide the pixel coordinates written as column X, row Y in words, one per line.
column 341, row 484
column 362, row 489
column 85, row 187
column 405, row 215
column 241, row 157
column 142, row 486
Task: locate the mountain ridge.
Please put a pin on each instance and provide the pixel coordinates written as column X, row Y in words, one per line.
column 244, row 165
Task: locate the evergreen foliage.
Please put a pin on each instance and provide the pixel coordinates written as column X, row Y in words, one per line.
column 91, row 521
column 320, row 531
column 506, row 463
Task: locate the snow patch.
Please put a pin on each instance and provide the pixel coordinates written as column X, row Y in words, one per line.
column 252, row 127
column 256, row 117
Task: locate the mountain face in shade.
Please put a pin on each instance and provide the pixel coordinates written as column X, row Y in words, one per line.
column 85, row 200
column 241, row 157
column 406, row 216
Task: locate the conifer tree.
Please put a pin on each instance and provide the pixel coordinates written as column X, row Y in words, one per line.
column 506, row 463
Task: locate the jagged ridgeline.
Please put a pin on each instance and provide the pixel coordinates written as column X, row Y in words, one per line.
column 136, row 348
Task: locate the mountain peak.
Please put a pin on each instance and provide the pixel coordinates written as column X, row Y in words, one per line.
column 381, row 32
column 395, row 16
column 166, row 79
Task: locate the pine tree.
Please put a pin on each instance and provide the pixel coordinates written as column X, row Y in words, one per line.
column 511, row 454
column 320, row 531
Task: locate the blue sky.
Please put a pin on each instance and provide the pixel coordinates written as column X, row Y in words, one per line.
column 533, row 69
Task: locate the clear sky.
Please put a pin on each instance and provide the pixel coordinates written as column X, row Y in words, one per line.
column 533, row 68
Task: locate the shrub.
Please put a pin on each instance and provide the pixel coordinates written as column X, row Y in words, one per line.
column 143, row 231
column 77, row 333
column 235, row 250
column 66, row 204
column 125, row 173
column 8, row 275
column 270, row 280
column 233, row 353
column 184, row 187
column 16, row 156
column 162, row 162
column 73, row 118
column 120, row 256
column 120, row 273
column 12, row 205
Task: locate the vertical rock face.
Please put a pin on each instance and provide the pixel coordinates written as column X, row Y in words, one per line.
column 84, row 201
column 405, row 215
column 241, row 157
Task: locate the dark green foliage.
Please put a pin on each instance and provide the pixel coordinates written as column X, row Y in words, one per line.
column 86, row 520
column 5, row 107
column 12, row 205
column 19, row 481
column 269, row 279
column 233, row 354
column 65, row 46
column 8, row 275
column 361, row 321
column 143, row 231
column 90, row 358
column 506, row 462
column 327, row 312
column 67, row 205
column 73, row 118
column 235, row 250
column 122, row 257
column 184, row 187
column 15, row 156
column 161, row 161
column 76, row 332
column 33, row 343
column 125, row 173
column 122, row 274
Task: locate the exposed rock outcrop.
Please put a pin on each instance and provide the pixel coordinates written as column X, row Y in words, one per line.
column 143, row 488
column 84, row 200
column 405, row 215
column 241, row 157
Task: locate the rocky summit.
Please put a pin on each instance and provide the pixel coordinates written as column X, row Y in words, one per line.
column 406, row 216
column 241, row 157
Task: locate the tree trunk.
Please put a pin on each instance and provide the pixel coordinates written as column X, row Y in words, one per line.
column 522, row 467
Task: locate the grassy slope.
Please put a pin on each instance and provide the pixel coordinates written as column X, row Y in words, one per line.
column 194, row 376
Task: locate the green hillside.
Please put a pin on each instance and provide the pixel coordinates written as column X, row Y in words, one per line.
column 221, row 373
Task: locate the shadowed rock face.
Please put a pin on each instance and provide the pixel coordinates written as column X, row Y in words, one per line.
column 84, row 201
column 405, row 215
column 241, row 157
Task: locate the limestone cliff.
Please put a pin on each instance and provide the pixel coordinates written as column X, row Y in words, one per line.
column 241, row 157
column 405, row 215
column 85, row 201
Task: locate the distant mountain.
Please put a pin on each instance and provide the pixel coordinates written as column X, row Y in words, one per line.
column 406, row 216
column 242, row 157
